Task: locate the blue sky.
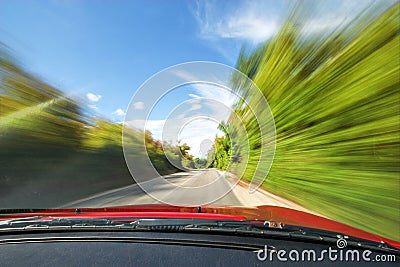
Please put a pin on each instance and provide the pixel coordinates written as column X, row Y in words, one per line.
column 102, row 51
column 109, row 48
column 105, row 48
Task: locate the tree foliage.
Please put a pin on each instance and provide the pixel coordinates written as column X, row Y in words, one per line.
column 335, row 100
column 53, row 151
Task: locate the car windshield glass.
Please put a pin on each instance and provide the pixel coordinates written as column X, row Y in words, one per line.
column 289, row 105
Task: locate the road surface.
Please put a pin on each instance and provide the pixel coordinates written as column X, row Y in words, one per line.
column 237, row 196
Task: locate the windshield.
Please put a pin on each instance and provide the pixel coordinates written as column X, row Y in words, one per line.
column 198, row 103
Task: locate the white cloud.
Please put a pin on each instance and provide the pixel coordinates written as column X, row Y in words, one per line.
column 138, row 105
column 246, row 27
column 252, row 21
column 194, row 95
column 93, row 107
column 93, row 97
column 119, row 112
column 224, row 96
column 335, row 13
column 195, row 107
column 185, row 75
column 208, row 87
column 192, row 133
column 198, row 131
column 257, row 20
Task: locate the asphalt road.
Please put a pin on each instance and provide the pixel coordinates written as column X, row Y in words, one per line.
column 133, row 194
column 238, row 194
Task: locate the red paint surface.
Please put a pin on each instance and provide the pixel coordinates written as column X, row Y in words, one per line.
column 177, row 215
column 269, row 213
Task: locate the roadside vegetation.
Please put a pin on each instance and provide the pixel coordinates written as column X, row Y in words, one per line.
column 335, row 100
column 52, row 150
column 334, row 96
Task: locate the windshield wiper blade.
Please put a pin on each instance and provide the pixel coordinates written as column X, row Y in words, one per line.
column 47, row 222
column 255, row 228
column 150, row 224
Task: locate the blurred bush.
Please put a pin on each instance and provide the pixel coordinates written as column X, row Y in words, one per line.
column 52, row 151
column 335, row 100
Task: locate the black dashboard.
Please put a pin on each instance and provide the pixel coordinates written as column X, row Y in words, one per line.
column 114, row 248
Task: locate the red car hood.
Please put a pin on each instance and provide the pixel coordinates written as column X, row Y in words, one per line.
column 269, row 213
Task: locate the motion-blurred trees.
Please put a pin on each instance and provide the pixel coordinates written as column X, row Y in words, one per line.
column 335, row 100
column 53, row 151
